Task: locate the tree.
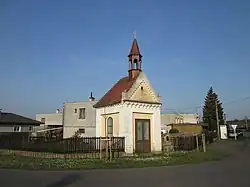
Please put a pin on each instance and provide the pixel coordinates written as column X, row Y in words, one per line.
column 172, row 131
column 209, row 110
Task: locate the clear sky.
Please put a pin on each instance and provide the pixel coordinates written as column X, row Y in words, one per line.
column 57, row 51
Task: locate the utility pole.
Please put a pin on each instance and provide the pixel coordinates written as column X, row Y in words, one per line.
column 225, row 119
column 246, row 119
column 217, row 120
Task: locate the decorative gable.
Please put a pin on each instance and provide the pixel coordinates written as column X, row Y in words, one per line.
column 142, row 91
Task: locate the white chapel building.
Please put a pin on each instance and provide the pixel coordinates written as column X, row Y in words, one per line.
column 131, row 109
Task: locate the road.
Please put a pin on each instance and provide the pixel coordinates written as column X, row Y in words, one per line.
column 233, row 171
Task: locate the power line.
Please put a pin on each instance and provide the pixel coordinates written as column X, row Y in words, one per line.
column 197, row 107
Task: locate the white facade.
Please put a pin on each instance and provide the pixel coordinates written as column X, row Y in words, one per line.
column 126, row 122
column 72, row 121
column 190, row 118
column 167, row 119
column 129, row 110
column 52, row 119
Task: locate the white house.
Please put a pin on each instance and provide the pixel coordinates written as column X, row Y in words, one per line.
column 177, row 118
column 131, row 109
column 50, row 121
column 76, row 117
column 79, row 117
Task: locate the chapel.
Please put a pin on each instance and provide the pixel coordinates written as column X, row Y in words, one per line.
column 131, row 109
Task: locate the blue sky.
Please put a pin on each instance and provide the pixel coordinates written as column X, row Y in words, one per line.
column 57, row 51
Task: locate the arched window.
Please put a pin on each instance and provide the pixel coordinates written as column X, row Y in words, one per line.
column 136, row 64
column 110, row 127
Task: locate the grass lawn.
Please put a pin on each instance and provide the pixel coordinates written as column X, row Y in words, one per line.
column 10, row 160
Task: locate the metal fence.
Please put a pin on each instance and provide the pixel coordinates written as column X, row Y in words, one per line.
column 72, row 147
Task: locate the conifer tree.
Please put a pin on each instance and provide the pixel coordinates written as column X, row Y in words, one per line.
column 209, row 110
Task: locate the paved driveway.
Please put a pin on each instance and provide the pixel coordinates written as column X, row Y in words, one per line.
column 234, row 171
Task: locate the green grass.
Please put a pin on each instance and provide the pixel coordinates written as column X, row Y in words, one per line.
column 12, row 161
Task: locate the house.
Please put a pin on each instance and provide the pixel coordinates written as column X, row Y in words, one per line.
column 167, row 119
column 131, row 109
column 10, row 122
column 79, row 117
column 190, row 118
column 52, row 121
column 76, row 117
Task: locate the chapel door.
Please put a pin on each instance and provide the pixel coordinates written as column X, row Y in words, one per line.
column 142, row 136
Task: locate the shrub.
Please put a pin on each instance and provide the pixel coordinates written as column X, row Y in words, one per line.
column 173, row 131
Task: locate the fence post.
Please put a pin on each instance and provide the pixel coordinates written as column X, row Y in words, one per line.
column 197, row 142
column 100, row 145
column 110, row 148
column 107, row 147
column 204, row 142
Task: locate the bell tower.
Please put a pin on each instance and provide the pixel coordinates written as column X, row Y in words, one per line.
column 134, row 58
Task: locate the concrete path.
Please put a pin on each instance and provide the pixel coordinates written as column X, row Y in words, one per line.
column 234, row 171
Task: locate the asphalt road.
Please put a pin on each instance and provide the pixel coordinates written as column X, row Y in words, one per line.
column 233, row 171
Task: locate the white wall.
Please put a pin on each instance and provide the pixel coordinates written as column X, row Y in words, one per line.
column 126, row 111
column 72, row 123
column 190, row 118
column 51, row 119
column 167, row 119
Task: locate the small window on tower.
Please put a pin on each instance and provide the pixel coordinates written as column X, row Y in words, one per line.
column 142, row 88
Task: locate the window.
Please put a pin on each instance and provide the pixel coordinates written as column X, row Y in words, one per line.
column 75, row 110
column 17, row 128
column 110, row 127
column 176, row 120
column 30, row 128
column 82, row 113
column 81, row 131
column 43, row 120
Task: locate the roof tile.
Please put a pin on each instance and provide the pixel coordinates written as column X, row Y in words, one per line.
column 114, row 95
column 7, row 118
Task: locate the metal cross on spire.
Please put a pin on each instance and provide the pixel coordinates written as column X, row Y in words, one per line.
column 134, row 34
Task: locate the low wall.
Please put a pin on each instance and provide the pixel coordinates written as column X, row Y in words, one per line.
column 188, row 128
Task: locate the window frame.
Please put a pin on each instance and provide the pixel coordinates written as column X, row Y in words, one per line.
column 30, row 128
column 19, row 128
column 110, row 127
column 82, row 113
column 43, row 120
column 82, row 130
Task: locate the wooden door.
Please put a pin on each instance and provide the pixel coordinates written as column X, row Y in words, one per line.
column 142, row 136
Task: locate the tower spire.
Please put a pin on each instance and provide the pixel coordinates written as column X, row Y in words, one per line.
column 134, row 58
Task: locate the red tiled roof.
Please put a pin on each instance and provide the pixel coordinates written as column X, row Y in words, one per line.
column 114, row 95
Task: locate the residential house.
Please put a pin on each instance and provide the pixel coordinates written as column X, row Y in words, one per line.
column 52, row 120
column 167, row 119
column 10, row 122
column 190, row 118
column 79, row 117
column 131, row 109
